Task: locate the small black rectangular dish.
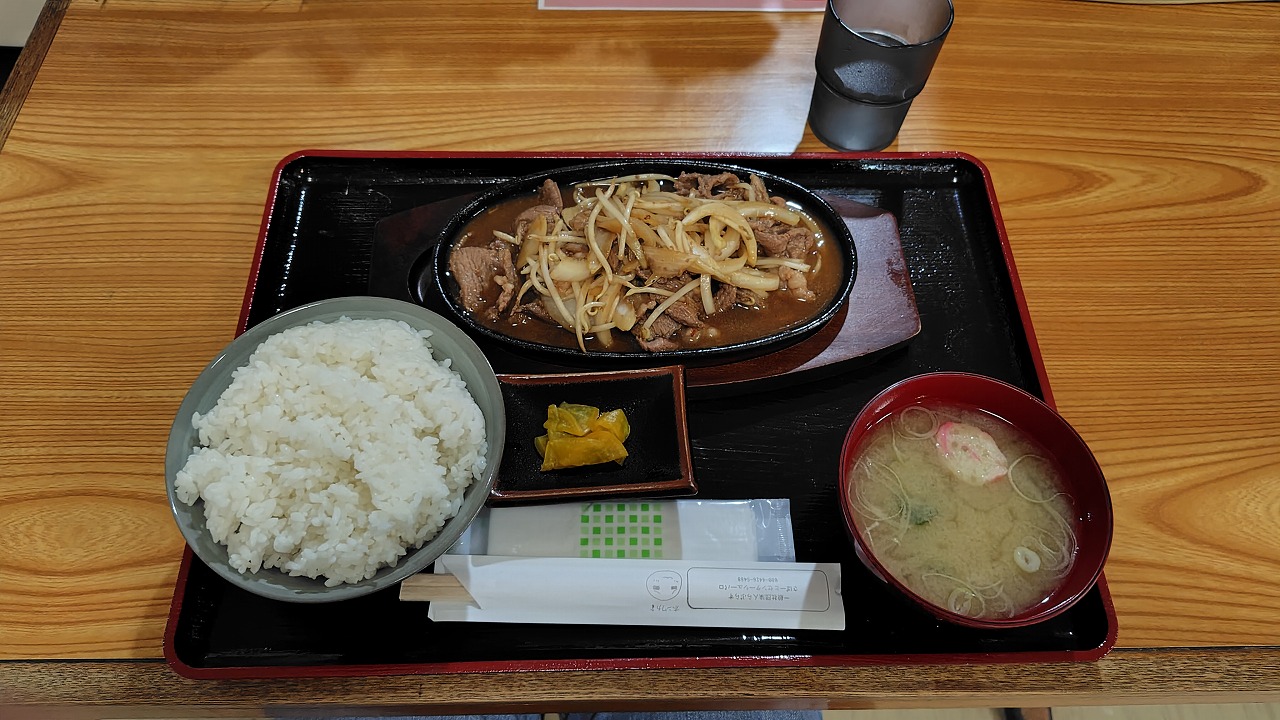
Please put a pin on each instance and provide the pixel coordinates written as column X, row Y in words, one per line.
column 658, row 464
column 317, row 241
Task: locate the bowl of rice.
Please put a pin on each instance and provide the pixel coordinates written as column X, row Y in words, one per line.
column 335, row 449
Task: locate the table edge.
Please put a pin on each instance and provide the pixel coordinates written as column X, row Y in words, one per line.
column 117, row 688
column 14, row 92
column 1127, row 676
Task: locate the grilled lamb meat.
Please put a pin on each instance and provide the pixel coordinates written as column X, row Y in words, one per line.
column 658, row 344
column 780, row 240
column 710, row 186
column 549, row 194
column 724, row 298
column 796, row 283
column 508, row 279
column 660, row 337
column 535, row 308
column 476, row 268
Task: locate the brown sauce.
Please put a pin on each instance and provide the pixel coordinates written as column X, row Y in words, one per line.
column 781, row 310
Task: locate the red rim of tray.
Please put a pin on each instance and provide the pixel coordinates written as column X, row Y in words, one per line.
column 367, row 670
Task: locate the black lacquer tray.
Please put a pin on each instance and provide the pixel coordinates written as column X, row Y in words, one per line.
column 317, row 242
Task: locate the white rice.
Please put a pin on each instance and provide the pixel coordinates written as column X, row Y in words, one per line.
column 336, row 447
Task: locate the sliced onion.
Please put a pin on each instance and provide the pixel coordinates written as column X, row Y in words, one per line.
column 571, row 270
column 665, row 262
column 625, row 316
column 752, row 279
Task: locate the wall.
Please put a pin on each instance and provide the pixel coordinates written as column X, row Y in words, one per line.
column 16, row 20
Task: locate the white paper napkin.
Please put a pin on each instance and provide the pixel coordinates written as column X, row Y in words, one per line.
column 793, row 596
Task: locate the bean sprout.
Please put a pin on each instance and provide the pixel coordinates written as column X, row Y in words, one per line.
column 624, row 226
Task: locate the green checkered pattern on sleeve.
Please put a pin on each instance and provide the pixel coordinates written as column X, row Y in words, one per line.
column 621, row 530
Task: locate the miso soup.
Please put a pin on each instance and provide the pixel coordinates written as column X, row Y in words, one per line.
column 964, row 509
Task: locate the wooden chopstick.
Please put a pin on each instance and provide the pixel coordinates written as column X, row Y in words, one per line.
column 432, row 586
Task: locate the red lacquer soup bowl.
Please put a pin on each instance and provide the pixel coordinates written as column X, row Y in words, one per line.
column 1081, row 480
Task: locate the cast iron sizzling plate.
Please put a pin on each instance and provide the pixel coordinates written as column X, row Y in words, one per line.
column 316, row 242
column 430, row 273
column 884, row 314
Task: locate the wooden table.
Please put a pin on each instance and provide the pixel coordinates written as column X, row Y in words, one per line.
column 1136, row 156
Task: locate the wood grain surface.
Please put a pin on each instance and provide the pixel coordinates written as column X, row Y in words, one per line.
column 148, row 689
column 24, row 71
column 1135, row 152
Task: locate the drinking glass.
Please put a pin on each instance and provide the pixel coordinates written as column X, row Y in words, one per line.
column 873, row 58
